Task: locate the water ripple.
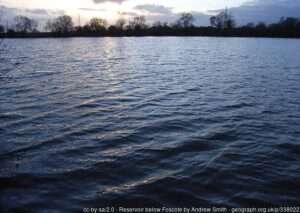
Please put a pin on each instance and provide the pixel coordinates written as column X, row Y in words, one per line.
column 127, row 122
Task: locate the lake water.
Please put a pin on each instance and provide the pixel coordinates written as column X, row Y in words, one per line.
column 144, row 122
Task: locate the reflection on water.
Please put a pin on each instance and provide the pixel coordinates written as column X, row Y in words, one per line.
column 149, row 122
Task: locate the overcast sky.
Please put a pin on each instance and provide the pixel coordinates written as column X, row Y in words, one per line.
column 112, row 5
column 165, row 10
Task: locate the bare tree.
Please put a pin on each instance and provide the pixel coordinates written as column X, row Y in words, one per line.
column 138, row 23
column 1, row 24
column 261, row 26
column 98, row 24
column 62, row 24
column 223, row 20
column 1, row 30
column 120, row 23
column 25, row 25
column 1, row 15
column 186, row 20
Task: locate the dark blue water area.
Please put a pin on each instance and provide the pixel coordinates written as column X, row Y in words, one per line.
column 145, row 122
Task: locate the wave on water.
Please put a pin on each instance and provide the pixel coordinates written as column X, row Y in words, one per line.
column 136, row 124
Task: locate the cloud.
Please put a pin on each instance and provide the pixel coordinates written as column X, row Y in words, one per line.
column 112, row 1
column 131, row 14
column 13, row 11
column 161, row 13
column 37, row 11
column 279, row 3
column 154, row 9
column 268, row 11
column 91, row 9
column 201, row 19
column 41, row 15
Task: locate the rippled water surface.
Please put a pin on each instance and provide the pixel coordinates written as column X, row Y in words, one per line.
column 93, row 122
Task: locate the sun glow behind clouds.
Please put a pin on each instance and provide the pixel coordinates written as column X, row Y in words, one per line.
column 86, row 9
column 108, row 11
column 71, row 5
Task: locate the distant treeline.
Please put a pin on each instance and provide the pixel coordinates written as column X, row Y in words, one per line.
column 222, row 24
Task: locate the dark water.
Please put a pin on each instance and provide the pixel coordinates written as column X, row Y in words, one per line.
column 149, row 122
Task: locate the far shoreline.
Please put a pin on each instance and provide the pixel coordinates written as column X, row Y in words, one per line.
column 222, row 25
column 51, row 35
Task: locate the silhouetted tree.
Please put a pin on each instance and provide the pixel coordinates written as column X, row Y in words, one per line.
column 10, row 31
column 224, row 20
column 78, row 29
column 120, row 23
column 1, row 31
column 298, row 24
column 97, row 24
column 138, row 23
column 157, row 24
column 63, row 24
column 289, row 23
column 86, row 28
column 160, row 28
column 250, row 25
column 113, row 30
column 223, row 23
column 1, row 26
column 25, row 25
column 286, row 26
column 185, row 21
column 261, row 26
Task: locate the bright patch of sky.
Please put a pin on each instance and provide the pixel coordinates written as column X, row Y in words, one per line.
column 165, row 10
column 71, row 5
